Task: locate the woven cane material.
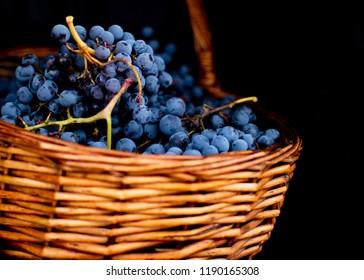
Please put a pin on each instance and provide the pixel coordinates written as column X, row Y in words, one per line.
column 60, row 200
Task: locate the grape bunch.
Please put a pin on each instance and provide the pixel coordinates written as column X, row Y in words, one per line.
column 107, row 89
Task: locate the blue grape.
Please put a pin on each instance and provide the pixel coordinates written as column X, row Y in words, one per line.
column 209, row 133
column 117, row 31
column 159, row 61
column 230, row 133
column 81, row 135
column 252, row 129
column 209, row 150
column 152, row 84
column 192, row 152
column 265, row 141
column 102, row 52
column 68, row 98
column 95, row 31
column 165, row 79
column 47, row 91
column 61, row 33
column 113, row 85
column 179, row 139
column 144, row 61
column 239, row 145
column 139, row 46
column 200, row 141
column 126, row 144
column 106, row 38
column 133, row 130
column 10, row 109
column 24, row 95
column 79, row 110
column 55, row 106
column 142, row 114
column 128, row 36
column 273, row 133
column 221, row 143
column 151, row 130
column 69, row 136
column 24, row 73
column 175, row 106
column 35, row 82
column 123, row 47
column 155, row 149
column 174, row 151
column 97, row 144
column 170, row 124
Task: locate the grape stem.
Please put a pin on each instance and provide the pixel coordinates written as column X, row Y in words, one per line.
column 209, row 111
column 104, row 114
column 88, row 54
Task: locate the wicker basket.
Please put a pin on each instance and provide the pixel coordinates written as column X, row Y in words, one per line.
column 60, row 200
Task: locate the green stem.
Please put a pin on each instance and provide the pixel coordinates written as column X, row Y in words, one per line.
column 104, row 114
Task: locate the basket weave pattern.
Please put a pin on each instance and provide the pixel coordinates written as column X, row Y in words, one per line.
column 60, row 200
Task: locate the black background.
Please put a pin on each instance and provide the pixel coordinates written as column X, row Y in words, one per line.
column 305, row 62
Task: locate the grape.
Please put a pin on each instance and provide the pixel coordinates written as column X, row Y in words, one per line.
column 179, row 139
column 144, row 61
column 106, row 38
column 126, row 144
column 142, row 114
column 29, row 59
column 209, row 150
column 239, row 145
column 102, row 52
column 97, row 93
column 95, row 31
column 112, row 85
column 152, row 84
column 240, row 118
column 165, row 79
column 133, row 130
column 123, row 47
column 61, row 33
column 97, row 144
column 200, row 141
column 10, row 109
column 265, row 141
column 252, row 129
column 139, row 46
column 175, row 106
column 55, row 106
column 192, row 152
column 128, row 36
column 155, row 149
column 230, row 133
column 69, row 136
column 24, row 72
column 35, row 82
column 170, row 124
column 273, row 133
column 68, row 98
column 221, row 143
column 174, row 151
column 79, row 110
column 81, row 135
column 47, row 91
column 151, row 130
column 24, row 95
column 117, row 31
column 209, row 133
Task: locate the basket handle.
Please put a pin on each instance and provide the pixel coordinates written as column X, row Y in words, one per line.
column 204, row 48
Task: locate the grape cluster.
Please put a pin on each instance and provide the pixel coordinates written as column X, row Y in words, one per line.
column 107, row 89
